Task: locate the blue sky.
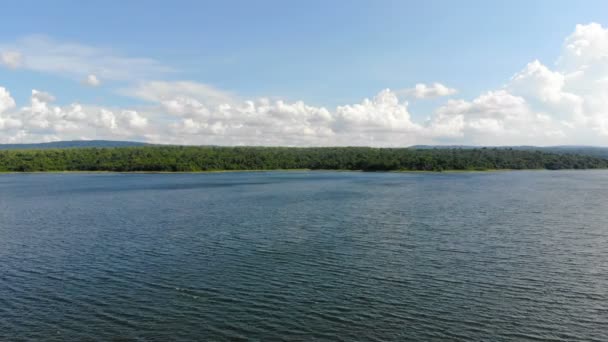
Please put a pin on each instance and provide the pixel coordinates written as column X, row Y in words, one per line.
column 325, row 53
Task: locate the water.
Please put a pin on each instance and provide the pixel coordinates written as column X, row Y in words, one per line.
column 304, row 256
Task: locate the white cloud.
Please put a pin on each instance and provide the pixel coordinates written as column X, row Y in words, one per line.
column 577, row 91
column 77, row 61
column 537, row 81
column 43, row 121
column 423, row 91
column 92, row 81
column 585, row 48
column 11, row 59
column 261, row 122
column 383, row 113
column 6, row 101
column 494, row 118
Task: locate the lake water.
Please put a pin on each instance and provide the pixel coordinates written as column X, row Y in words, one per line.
column 305, row 256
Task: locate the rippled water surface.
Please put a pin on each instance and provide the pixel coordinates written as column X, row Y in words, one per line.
column 304, row 256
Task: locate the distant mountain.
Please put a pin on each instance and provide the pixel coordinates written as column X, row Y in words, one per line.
column 593, row 151
column 601, row 152
column 71, row 144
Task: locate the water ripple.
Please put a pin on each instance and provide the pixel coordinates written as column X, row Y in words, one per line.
column 308, row 256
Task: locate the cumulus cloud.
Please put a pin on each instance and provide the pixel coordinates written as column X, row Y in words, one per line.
column 41, row 120
column 382, row 120
column 423, row 91
column 11, row 59
column 383, row 113
column 537, row 81
column 586, row 47
column 6, row 101
column 44, row 54
column 261, row 122
column 92, row 81
column 576, row 92
column 495, row 118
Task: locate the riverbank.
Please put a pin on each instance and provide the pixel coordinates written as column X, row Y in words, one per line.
column 287, row 170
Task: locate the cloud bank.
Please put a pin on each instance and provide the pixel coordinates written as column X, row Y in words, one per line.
column 540, row 105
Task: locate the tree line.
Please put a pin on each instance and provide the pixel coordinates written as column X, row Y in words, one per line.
column 215, row 158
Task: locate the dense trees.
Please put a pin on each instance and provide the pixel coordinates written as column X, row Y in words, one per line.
column 190, row 158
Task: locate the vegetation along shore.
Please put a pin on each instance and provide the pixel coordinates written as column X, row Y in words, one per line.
column 214, row 158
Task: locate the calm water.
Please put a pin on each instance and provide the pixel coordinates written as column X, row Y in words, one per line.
column 304, row 256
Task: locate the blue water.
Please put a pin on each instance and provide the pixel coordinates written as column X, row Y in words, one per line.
column 304, row 256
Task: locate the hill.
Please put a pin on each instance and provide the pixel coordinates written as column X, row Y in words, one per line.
column 593, row 151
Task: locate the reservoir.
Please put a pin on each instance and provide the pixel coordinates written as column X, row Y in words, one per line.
column 304, row 256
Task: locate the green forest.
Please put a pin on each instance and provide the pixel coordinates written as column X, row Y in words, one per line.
column 193, row 159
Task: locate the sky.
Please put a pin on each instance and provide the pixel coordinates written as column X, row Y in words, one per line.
column 306, row 73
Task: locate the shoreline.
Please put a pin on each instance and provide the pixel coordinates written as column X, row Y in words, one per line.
column 291, row 170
